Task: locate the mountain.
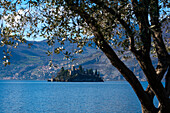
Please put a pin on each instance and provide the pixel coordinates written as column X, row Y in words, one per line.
column 32, row 63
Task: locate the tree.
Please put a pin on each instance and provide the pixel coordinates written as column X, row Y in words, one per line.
column 80, row 69
column 87, row 71
column 134, row 25
column 95, row 72
column 90, row 71
column 62, row 69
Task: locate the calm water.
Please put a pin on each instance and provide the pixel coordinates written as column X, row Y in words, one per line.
column 64, row 97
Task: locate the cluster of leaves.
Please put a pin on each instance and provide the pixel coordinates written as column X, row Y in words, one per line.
column 62, row 75
column 6, row 57
column 55, row 21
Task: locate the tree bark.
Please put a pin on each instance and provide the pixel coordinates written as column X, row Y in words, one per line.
column 109, row 52
column 149, row 110
column 167, row 82
column 142, row 55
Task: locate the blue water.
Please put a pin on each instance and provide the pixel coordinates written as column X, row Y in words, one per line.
column 65, row 97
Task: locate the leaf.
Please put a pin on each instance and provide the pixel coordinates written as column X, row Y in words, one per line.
column 73, row 59
column 152, row 26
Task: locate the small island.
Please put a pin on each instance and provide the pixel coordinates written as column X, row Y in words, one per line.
column 77, row 75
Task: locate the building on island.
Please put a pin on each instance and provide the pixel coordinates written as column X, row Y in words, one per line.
column 77, row 75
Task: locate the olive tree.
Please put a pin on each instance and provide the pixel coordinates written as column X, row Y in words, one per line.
column 132, row 25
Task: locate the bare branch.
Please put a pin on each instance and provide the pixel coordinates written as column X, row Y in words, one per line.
column 132, row 46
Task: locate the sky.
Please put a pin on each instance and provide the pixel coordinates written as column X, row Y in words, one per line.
column 22, row 11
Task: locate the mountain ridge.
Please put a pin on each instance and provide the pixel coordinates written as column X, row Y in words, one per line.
column 32, row 64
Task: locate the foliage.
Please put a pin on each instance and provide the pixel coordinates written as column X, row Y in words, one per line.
column 131, row 25
column 78, row 75
column 56, row 21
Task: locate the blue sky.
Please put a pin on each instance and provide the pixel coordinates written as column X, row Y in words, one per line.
column 26, row 7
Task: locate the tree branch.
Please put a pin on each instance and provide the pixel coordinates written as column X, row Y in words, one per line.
column 109, row 52
column 141, row 12
column 114, row 12
column 117, row 15
column 167, row 82
column 132, row 45
column 135, row 7
column 157, row 33
column 160, row 74
column 144, row 57
column 159, row 44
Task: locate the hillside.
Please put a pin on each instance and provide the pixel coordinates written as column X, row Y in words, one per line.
column 32, row 63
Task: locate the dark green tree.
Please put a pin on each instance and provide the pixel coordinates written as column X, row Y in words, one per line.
column 81, row 69
column 87, row 71
column 62, row 69
column 96, row 72
column 90, row 71
column 132, row 25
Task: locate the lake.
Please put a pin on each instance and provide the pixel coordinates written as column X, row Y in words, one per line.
column 68, row 97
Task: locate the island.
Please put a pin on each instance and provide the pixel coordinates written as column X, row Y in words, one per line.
column 77, row 75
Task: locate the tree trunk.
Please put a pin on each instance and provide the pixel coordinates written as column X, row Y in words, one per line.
column 164, row 109
column 144, row 110
column 167, row 82
column 142, row 55
column 149, row 110
column 148, row 106
column 161, row 109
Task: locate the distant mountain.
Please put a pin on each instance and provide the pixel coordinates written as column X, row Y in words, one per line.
column 33, row 63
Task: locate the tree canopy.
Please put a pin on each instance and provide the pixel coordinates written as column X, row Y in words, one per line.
column 132, row 25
